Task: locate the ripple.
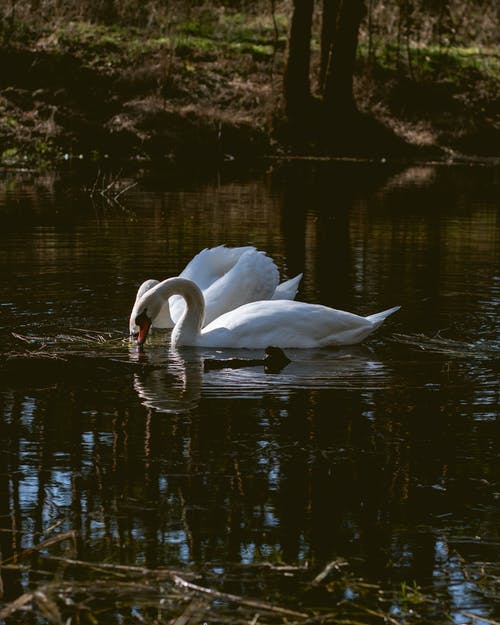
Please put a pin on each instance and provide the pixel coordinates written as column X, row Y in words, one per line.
column 181, row 382
column 481, row 348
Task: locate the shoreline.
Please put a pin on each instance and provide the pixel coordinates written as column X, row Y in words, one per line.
column 67, row 98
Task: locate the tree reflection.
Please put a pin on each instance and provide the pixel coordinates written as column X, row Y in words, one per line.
column 303, row 476
column 382, row 455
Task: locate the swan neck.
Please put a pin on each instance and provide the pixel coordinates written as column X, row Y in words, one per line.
column 189, row 325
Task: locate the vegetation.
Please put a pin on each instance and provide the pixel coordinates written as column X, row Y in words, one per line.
column 90, row 592
column 197, row 79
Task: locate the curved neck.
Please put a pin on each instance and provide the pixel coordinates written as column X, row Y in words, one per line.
column 189, row 325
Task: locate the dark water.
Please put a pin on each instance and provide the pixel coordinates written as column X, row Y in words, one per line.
column 383, row 455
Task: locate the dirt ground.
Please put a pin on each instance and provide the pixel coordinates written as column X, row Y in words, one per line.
column 96, row 99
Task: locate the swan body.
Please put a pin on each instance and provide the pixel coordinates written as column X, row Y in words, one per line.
column 228, row 278
column 255, row 325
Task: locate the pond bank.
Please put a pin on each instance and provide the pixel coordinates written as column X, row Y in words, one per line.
column 93, row 91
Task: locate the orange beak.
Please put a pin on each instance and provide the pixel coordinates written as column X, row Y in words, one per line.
column 143, row 330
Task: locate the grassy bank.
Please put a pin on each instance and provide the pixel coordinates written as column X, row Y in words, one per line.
column 210, row 87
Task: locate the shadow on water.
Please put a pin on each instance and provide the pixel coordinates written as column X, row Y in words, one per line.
column 356, row 484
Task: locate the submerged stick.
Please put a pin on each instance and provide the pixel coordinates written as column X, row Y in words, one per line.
column 274, row 361
column 43, row 599
column 194, row 607
column 334, row 564
column 43, row 545
column 122, row 568
column 252, row 603
column 18, row 604
column 382, row 615
column 478, row 617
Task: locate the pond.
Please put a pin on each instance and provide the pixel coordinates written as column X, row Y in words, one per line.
column 359, row 484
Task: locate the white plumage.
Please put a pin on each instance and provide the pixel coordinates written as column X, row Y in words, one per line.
column 255, row 325
column 228, row 278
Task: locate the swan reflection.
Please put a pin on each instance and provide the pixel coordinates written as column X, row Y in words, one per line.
column 173, row 384
column 178, row 379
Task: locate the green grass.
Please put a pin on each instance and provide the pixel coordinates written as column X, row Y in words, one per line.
column 100, row 44
column 188, row 61
column 431, row 61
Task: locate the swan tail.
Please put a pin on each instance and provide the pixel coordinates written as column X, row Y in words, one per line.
column 354, row 335
column 378, row 318
column 287, row 289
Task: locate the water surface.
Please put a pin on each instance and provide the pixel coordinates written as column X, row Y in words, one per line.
column 382, row 455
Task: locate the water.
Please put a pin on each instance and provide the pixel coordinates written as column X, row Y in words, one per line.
column 382, row 455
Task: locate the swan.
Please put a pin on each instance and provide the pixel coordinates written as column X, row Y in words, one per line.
column 256, row 325
column 228, row 277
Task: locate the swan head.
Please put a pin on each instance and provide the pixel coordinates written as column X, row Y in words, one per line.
column 143, row 314
column 143, row 323
column 146, row 309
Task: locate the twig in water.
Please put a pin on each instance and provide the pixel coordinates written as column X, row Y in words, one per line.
column 48, row 607
column 94, row 187
column 196, row 606
column 107, row 566
column 18, row 604
column 71, row 535
column 383, row 615
column 252, row 603
column 115, row 197
column 478, row 617
column 108, row 188
column 111, row 184
column 334, row 564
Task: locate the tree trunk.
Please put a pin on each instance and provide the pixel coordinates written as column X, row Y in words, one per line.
column 297, row 86
column 328, row 29
column 339, row 80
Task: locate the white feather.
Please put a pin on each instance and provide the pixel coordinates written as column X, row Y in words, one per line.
column 258, row 324
column 228, row 278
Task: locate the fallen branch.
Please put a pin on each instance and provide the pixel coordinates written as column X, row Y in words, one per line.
column 382, row 615
column 122, row 568
column 251, row 603
column 478, row 617
column 194, row 607
column 336, row 565
column 44, row 598
column 18, row 604
column 71, row 535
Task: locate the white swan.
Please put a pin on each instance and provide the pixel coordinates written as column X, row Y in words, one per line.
column 281, row 323
column 228, row 277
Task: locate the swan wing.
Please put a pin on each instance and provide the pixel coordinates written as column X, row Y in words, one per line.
column 212, row 263
column 254, row 277
column 206, row 269
column 244, row 275
column 284, row 323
